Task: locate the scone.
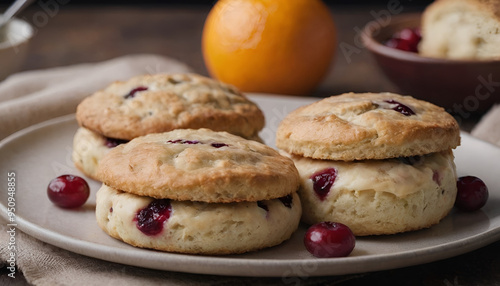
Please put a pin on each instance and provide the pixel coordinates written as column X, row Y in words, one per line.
column 159, row 103
column 198, row 191
column 379, row 163
column 461, row 29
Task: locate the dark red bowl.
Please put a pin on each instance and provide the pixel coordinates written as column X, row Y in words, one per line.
column 463, row 87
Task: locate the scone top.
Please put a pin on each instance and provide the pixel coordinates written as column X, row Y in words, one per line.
column 364, row 126
column 199, row 165
column 163, row 102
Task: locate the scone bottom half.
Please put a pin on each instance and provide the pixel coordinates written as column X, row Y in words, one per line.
column 378, row 197
column 197, row 227
column 363, row 126
column 198, row 191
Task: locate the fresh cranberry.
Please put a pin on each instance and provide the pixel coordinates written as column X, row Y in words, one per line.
column 323, row 181
column 405, row 40
column 401, row 108
column 132, row 93
column 150, row 219
column 112, row 142
column 329, row 239
column 472, row 193
column 287, row 201
column 68, row 191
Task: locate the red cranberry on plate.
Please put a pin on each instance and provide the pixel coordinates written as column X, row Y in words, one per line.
column 472, row 193
column 68, row 191
column 329, row 239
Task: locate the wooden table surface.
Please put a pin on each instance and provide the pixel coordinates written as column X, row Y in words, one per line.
column 79, row 34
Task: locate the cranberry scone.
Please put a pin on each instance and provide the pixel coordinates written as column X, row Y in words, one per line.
column 198, row 191
column 159, row 103
column 461, row 29
column 380, row 163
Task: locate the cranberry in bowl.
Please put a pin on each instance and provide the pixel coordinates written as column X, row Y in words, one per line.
column 460, row 86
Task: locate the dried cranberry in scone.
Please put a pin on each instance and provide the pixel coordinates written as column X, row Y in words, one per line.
column 112, row 142
column 323, row 181
column 133, row 92
column 150, row 219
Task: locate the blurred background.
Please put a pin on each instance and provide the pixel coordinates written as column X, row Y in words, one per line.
column 77, row 31
column 210, row 2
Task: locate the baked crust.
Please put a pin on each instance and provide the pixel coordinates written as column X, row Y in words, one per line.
column 199, row 165
column 163, row 102
column 360, row 126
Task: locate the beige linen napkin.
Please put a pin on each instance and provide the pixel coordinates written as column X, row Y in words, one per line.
column 31, row 97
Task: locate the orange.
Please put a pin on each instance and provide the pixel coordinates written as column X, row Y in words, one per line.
column 271, row 46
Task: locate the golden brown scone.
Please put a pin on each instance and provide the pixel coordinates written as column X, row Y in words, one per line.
column 198, row 165
column 163, row 102
column 365, row 126
column 461, row 29
column 198, row 191
column 194, row 227
column 375, row 197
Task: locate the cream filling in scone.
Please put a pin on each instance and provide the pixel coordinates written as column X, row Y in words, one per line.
column 197, row 227
column 378, row 196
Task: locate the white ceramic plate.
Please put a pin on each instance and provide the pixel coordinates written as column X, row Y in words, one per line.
column 42, row 152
